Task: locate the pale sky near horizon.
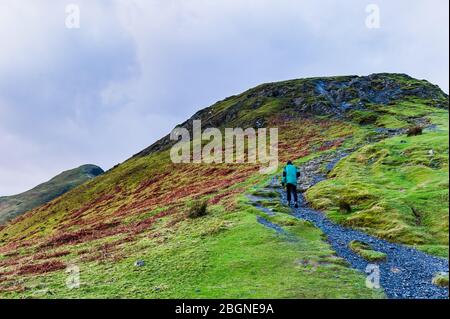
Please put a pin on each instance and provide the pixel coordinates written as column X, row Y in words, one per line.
column 136, row 68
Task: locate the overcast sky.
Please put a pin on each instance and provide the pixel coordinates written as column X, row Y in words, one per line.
column 135, row 69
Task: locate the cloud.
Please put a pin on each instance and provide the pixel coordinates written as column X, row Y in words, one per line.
column 51, row 83
column 136, row 68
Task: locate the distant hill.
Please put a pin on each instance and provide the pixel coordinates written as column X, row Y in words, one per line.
column 13, row 206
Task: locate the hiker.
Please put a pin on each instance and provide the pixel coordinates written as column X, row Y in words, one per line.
column 290, row 175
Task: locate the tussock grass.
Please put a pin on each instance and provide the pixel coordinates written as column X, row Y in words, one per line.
column 366, row 252
column 441, row 280
column 198, row 208
column 398, row 189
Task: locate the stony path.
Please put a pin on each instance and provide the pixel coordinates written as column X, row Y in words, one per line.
column 406, row 274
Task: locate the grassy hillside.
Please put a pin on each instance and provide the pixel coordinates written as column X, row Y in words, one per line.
column 13, row 206
column 397, row 188
column 138, row 210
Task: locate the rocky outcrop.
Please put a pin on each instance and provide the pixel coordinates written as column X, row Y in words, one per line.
column 328, row 96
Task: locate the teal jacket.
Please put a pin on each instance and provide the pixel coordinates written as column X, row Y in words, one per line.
column 290, row 175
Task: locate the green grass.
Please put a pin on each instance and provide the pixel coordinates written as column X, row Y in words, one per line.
column 396, row 188
column 265, row 194
column 441, row 280
column 408, row 109
column 364, row 117
column 218, row 256
column 366, row 252
column 390, row 122
column 248, row 115
column 401, row 114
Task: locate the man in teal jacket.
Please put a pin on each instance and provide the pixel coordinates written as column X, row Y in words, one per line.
column 290, row 175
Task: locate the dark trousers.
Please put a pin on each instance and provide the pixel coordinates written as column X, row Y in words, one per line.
column 291, row 189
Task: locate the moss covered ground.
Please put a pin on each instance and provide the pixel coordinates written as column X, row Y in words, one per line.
column 397, row 188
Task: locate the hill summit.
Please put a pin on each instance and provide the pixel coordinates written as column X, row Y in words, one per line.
column 328, row 96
